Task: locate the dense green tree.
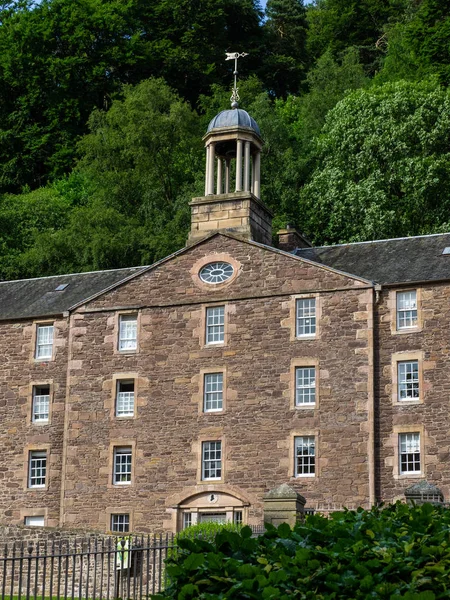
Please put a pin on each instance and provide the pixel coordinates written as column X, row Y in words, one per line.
column 338, row 24
column 127, row 202
column 383, row 166
column 286, row 60
column 420, row 44
column 60, row 59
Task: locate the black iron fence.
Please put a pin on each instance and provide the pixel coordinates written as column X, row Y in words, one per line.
column 106, row 568
column 103, row 568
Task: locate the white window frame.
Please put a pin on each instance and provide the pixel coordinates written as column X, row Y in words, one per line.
column 305, row 317
column 215, row 325
column 212, row 460
column 187, row 519
column 409, row 445
column 44, row 341
column 305, row 386
column 303, row 463
column 213, row 392
column 406, row 310
column 128, row 334
column 37, row 469
column 34, row 521
column 411, row 385
column 122, row 465
column 120, row 522
column 125, row 401
column 40, row 405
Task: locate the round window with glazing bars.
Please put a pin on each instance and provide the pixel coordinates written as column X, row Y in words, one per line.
column 216, row 272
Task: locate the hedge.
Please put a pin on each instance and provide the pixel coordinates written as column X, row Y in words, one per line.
column 390, row 552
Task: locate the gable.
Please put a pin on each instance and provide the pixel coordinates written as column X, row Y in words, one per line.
column 259, row 271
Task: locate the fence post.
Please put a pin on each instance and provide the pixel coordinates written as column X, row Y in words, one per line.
column 283, row 505
column 422, row 492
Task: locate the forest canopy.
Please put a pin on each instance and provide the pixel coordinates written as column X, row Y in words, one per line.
column 103, row 104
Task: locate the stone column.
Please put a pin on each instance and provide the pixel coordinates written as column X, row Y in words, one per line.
column 283, row 505
column 207, row 170
column 211, row 164
column 257, row 174
column 247, row 167
column 219, row 176
column 239, row 166
column 227, row 176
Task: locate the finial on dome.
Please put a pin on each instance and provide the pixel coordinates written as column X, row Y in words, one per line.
column 235, row 95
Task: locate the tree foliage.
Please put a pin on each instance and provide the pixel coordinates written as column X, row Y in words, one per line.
column 390, row 553
column 126, row 202
column 103, row 104
column 384, row 165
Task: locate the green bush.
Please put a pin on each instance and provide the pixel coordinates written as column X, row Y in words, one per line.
column 393, row 552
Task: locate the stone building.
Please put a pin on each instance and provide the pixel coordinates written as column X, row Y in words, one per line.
column 155, row 397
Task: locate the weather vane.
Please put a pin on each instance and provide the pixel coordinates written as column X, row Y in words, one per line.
column 235, row 95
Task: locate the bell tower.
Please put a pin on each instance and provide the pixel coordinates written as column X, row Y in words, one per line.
column 232, row 180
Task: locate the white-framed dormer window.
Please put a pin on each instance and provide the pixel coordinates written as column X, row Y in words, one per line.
column 37, row 469
column 305, row 317
column 408, row 380
column 44, row 342
column 127, row 333
column 407, row 309
column 215, row 325
column 409, row 453
column 41, row 404
column 120, row 523
column 305, row 456
column 125, row 398
column 211, row 460
column 305, row 386
column 213, row 392
column 122, row 465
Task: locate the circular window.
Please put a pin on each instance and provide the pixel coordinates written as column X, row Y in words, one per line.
column 216, row 272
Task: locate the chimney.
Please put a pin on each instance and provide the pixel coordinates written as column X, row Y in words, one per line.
column 289, row 239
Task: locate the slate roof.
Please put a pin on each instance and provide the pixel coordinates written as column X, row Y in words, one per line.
column 400, row 260
column 38, row 298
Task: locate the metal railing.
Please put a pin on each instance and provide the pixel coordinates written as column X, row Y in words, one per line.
column 105, row 568
column 131, row 567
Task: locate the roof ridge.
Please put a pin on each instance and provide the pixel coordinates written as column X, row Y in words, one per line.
column 408, row 237
column 72, row 274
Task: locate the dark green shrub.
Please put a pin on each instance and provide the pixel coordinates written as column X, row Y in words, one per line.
column 394, row 552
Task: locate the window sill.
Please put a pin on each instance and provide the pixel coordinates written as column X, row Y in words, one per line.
column 309, row 476
column 305, row 406
column 406, row 330
column 306, row 337
column 407, row 402
column 415, row 475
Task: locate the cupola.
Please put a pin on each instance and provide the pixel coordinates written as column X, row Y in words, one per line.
column 232, row 201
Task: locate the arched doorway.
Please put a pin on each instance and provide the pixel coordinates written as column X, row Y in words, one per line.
column 211, row 506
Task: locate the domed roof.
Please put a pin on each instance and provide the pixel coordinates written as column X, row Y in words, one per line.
column 234, row 116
